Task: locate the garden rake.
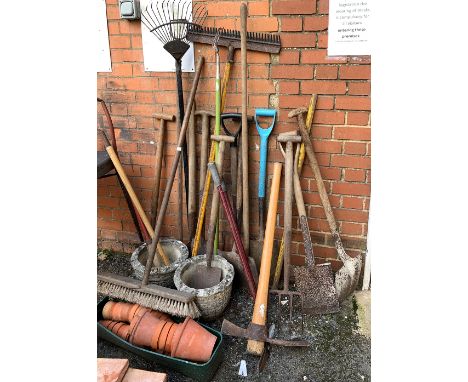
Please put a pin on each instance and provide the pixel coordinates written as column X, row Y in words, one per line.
column 169, row 21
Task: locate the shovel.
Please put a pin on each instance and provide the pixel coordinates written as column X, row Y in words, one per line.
column 347, row 277
column 264, row 134
column 314, row 281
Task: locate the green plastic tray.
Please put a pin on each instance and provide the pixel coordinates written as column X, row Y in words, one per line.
column 198, row 371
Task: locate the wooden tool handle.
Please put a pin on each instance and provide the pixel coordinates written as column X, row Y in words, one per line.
column 214, row 207
column 310, row 118
column 170, row 180
column 118, row 167
column 288, row 197
column 226, row 75
column 204, row 148
column 192, row 163
column 322, row 191
column 260, row 308
column 157, row 178
column 318, row 176
column 310, row 260
column 245, row 132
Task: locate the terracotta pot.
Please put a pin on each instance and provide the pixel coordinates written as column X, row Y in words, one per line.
column 163, row 336
column 117, row 326
column 105, row 322
column 144, row 329
column 157, row 332
column 140, row 311
column 170, row 336
column 161, row 315
column 192, row 342
column 111, row 325
column 132, row 312
column 107, row 310
column 123, row 331
column 119, row 311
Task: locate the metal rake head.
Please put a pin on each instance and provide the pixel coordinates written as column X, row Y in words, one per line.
column 169, row 21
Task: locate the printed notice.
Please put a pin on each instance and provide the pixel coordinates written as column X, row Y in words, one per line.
column 348, row 28
column 103, row 52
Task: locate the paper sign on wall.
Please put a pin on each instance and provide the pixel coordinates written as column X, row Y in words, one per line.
column 156, row 58
column 348, row 28
column 103, row 51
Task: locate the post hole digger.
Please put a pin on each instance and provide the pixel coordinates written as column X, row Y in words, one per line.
column 347, row 276
column 154, row 296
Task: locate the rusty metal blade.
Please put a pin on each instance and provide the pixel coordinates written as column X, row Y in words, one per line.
column 231, row 329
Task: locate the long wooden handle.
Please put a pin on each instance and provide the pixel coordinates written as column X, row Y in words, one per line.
column 322, row 191
column 214, row 208
column 204, row 201
column 288, row 197
column 310, row 261
column 157, row 178
column 170, row 180
column 245, row 132
column 204, row 149
column 207, row 176
column 261, row 300
column 192, row 163
column 226, row 75
column 128, row 186
column 309, row 120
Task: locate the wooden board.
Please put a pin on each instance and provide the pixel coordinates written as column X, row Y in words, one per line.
column 111, row 369
column 138, row 375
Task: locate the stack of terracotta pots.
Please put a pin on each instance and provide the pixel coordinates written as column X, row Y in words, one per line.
column 149, row 328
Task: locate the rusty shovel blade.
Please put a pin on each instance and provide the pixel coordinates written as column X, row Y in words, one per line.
column 318, row 288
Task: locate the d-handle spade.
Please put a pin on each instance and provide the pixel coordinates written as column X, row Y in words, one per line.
column 264, row 134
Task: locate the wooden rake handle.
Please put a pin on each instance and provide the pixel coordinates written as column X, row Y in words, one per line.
column 170, row 180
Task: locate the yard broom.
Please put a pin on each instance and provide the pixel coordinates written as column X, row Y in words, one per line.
column 167, row 300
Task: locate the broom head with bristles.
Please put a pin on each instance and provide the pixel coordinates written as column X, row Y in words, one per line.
column 171, row 301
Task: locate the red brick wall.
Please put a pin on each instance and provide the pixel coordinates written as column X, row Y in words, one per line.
column 341, row 129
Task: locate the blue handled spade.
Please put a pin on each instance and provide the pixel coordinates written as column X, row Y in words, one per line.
column 264, row 134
